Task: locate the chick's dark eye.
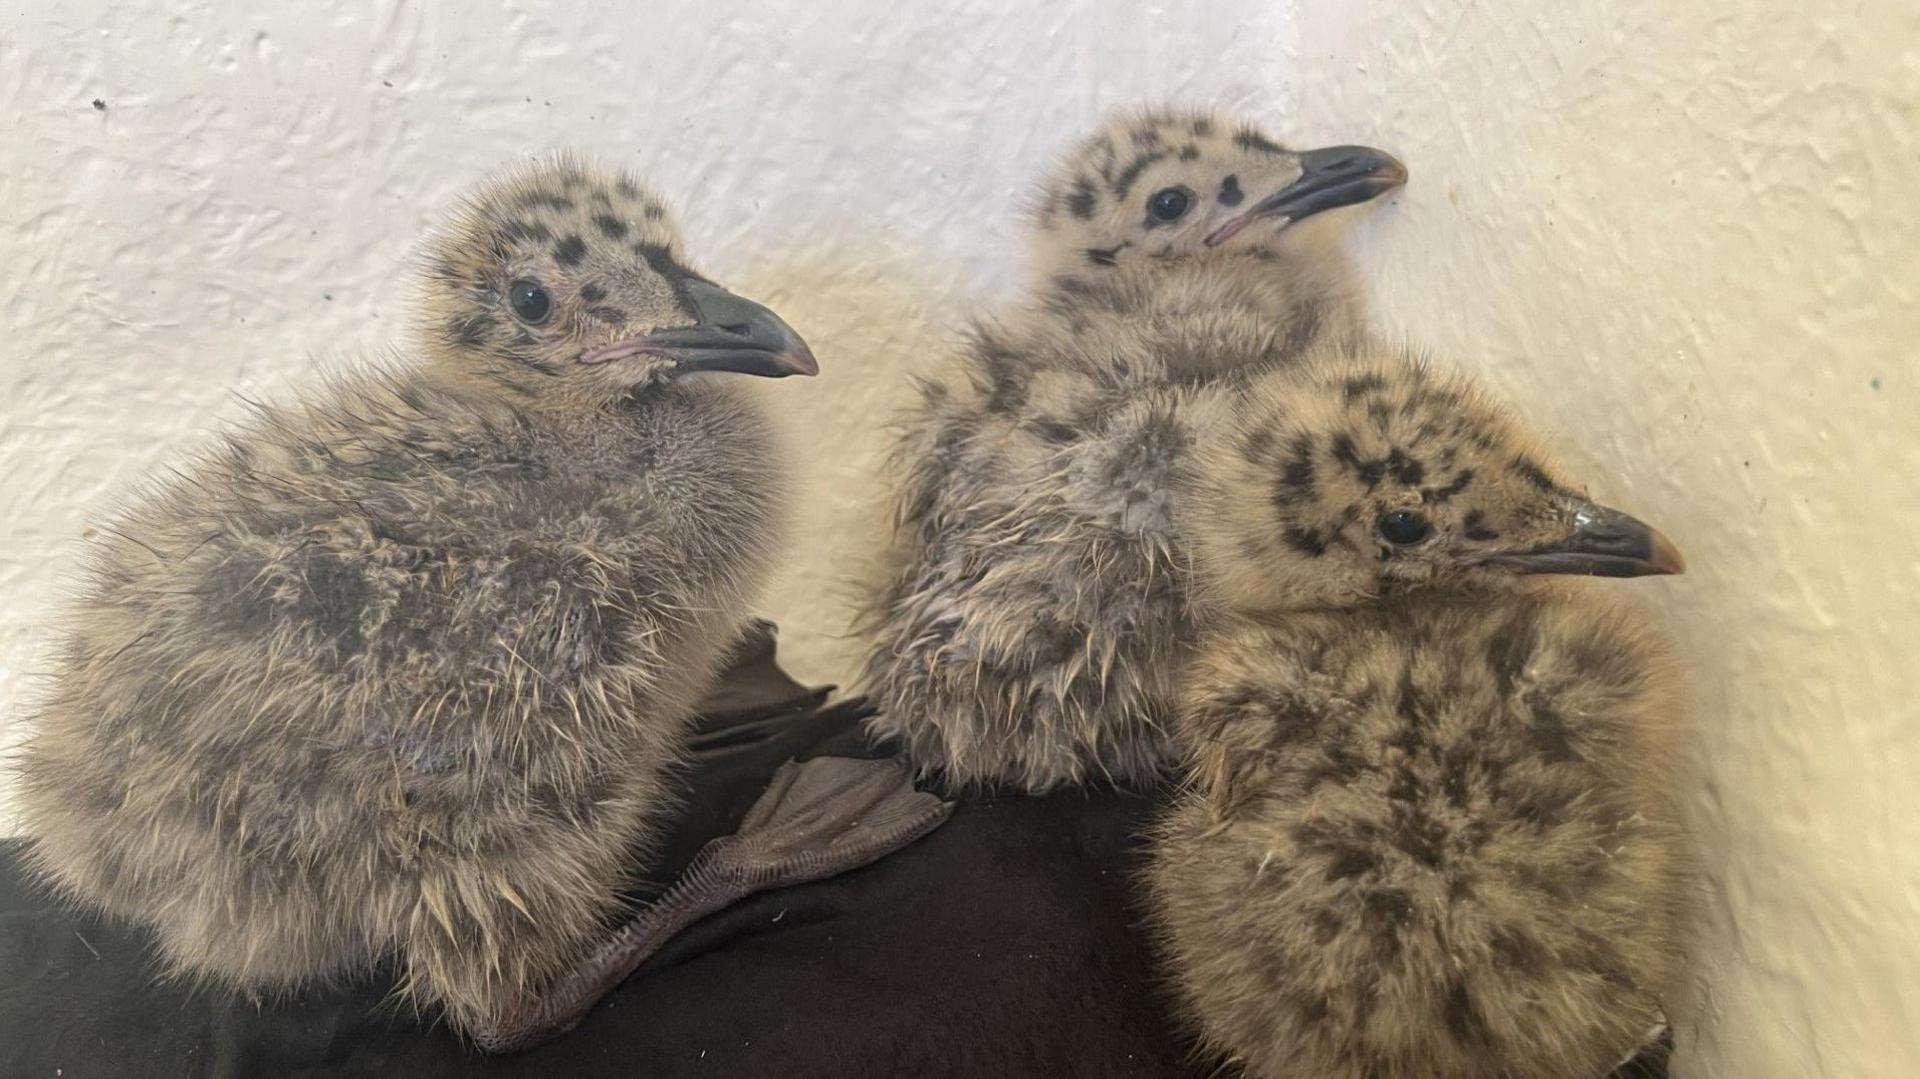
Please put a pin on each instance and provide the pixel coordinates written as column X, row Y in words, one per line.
column 530, row 302
column 1401, row 527
column 1168, row 204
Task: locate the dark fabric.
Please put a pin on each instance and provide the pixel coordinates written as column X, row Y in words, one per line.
column 1006, row 943
column 818, row 818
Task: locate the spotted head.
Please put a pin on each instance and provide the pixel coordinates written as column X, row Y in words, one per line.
column 1365, row 472
column 1170, row 183
column 566, row 279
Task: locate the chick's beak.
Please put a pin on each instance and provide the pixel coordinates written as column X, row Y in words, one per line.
column 1329, row 178
column 731, row 334
column 1602, row 543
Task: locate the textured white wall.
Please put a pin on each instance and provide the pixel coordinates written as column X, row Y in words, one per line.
column 1684, row 238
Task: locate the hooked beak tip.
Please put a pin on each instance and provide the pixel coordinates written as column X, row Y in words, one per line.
column 800, row 359
column 1663, row 557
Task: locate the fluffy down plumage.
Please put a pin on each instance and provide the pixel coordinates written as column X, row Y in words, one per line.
column 1032, row 613
column 1432, row 827
column 399, row 669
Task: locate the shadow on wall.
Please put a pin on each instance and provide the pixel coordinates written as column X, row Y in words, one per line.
column 874, row 319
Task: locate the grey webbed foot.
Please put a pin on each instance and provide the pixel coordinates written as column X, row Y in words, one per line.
column 817, row 818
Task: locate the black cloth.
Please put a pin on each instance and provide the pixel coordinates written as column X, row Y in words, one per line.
column 1006, row 943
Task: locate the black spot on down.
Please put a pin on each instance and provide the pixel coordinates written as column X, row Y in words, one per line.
column 1462, row 1018
column 1476, row 527
column 1128, row 175
column 1298, row 473
column 1459, row 483
column 1307, row 541
column 470, row 332
column 1081, row 201
column 1249, row 139
column 1534, row 474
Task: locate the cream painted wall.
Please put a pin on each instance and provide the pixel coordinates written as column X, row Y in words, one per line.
column 1686, row 239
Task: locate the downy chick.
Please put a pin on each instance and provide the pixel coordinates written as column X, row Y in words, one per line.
column 398, row 669
column 1032, row 614
column 1432, row 828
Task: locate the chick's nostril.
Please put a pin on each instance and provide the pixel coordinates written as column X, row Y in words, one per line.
column 739, row 328
column 1604, row 530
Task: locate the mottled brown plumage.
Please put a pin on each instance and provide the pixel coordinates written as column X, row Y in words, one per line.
column 1031, row 616
column 398, row 669
column 1432, row 828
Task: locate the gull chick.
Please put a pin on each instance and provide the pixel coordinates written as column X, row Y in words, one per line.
column 398, row 669
column 1032, row 613
column 1432, row 830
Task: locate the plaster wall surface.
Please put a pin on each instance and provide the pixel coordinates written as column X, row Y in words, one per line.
column 1684, row 238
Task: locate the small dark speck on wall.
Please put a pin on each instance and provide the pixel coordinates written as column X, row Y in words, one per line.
column 327, row 296
column 99, row 104
column 1875, row 383
column 386, row 83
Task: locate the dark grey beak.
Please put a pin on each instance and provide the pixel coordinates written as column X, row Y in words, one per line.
column 733, row 334
column 1333, row 177
column 1603, row 543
